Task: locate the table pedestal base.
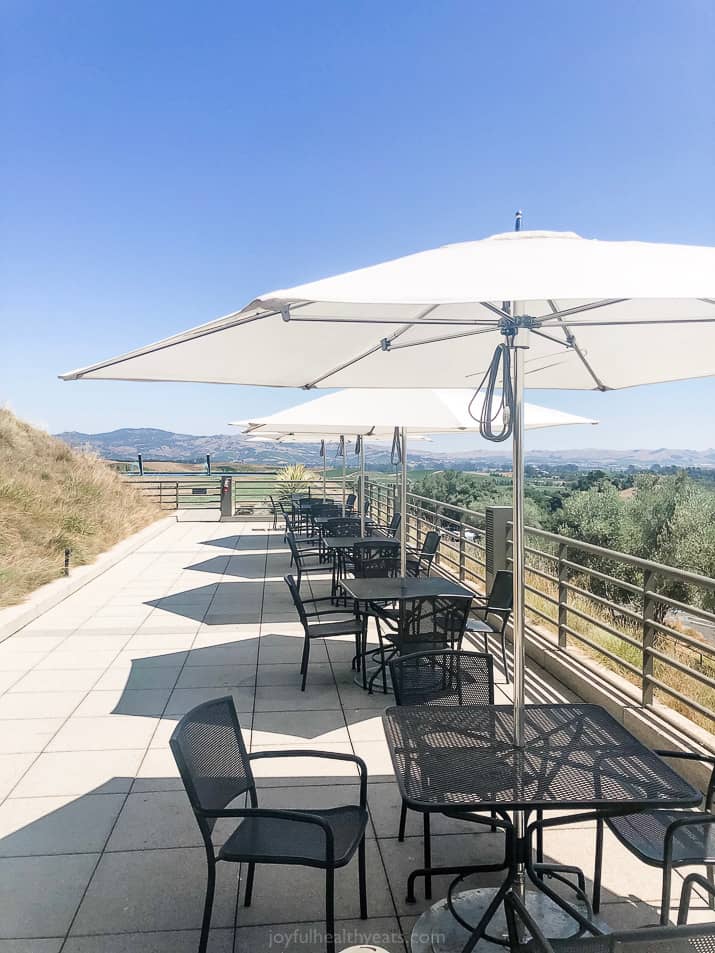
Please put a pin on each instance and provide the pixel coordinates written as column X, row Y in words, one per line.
column 437, row 931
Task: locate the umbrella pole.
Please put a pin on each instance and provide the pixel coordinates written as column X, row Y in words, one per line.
column 324, row 453
column 403, row 506
column 518, row 569
column 362, row 486
column 342, row 445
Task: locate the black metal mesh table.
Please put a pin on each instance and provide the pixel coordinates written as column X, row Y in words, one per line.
column 575, row 757
column 392, row 589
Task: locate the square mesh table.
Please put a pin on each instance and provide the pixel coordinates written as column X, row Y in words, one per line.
column 575, row 757
column 394, row 588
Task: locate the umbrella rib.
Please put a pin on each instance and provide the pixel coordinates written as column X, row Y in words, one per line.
column 445, row 337
column 621, row 324
column 193, row 335
column 572, row 342
column 578, row 309
column 370, row 351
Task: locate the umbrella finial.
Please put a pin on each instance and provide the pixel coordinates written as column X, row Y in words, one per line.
column 517, row 220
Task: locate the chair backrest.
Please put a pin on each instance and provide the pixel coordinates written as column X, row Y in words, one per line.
column 350, row 502
column 294, row 550
column 343, row 526
column 430, row 544
column 297, row 601
column 394, row 524
column 501, row 595
column 376, row 559
column 212, row 759
column 430, row 622
column 325, row 509
column 443, row 677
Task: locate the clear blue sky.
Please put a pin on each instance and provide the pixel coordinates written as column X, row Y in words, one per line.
column 163, row 163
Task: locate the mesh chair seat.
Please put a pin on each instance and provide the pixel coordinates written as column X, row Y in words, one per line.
column 698, row 938
column 279, row 840
column 644, row 834
column 325, row 630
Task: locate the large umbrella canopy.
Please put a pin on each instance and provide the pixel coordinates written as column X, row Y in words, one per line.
column 376, row 413
column 433, row 312
column 571, row 312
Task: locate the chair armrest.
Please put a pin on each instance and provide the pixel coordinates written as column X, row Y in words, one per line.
column 699, row 820
column 271, row 813
column 312, row 615
column 685, row 755
column 328, row 755
column 690, row 881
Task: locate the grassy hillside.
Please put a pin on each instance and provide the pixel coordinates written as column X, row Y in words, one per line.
column 52, row 497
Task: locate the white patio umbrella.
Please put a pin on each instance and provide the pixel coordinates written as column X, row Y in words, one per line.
column 561, row 311
column 382, row 411
column 262, row 432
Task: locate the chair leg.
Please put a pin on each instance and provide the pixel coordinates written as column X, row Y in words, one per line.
column 362, row 879
column 665, row 895
column 208, row 906
column 539, row 838
column 403, row 821
column 710, row 876
column 330, row 910
column 304, row 662
column 503, row 655
column 427, row 847
column 596, row 898
column 249, row 885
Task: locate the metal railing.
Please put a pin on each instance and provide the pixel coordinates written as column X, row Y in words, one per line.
column 627, row 614
column 251, row 494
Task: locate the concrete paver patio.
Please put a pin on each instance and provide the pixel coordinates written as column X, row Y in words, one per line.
column 99, row 850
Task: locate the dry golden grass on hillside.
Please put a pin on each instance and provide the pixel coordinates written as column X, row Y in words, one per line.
column 52, row 497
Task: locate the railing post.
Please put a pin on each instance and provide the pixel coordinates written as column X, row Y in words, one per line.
column 648, row 637
column 161, row 492
column 563, row 594
column 176, row 488
column 462, row 554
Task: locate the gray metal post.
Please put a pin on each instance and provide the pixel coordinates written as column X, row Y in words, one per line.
column 208, row 464
column 324, row 454
column 141, row 464
column 648, row 639
column 362, row 487
column 342, row 447
column 518, row 566
column 403, row 506
column 563, row 594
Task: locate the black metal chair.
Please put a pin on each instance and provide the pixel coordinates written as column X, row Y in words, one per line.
column 274, row 512
column 443, row 678
column 394, row 525
column 216, row 770
column 421, row 564
column 316, row 627
column 303, row 557
column 418, row 625
column 342, row 526
column 697, row 938
column 498, row 603
column 665, row 839
column 350, row 503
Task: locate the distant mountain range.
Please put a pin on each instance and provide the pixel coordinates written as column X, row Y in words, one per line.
column 164, row 445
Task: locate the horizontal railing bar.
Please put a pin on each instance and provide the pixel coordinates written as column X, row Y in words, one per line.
column 604, row 577
column 541, row 553
column 543, row 615
column 682, row 638
column 690, row 702
column 603, row 651
column 601, row 600
column 606, row 627
column 683, row 606
column 681, row 667
column 543, row 575
column 616, row 555
column 540, row 594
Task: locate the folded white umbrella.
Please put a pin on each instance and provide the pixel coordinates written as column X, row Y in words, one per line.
column 563, row 312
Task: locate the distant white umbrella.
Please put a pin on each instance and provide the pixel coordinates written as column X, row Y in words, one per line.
column 592, row 315
column 381, row 412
